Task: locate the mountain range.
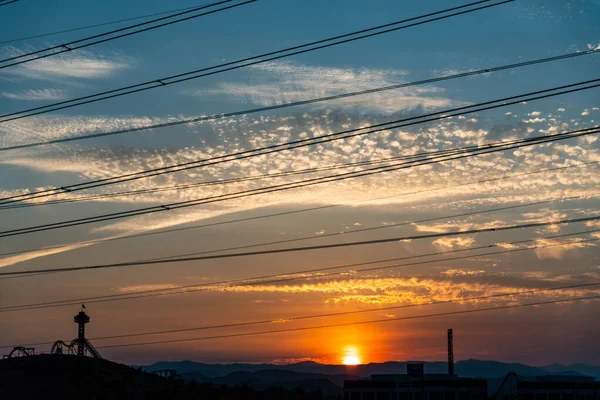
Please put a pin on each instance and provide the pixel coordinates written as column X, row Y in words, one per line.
column 329, row 378
column 467, row 368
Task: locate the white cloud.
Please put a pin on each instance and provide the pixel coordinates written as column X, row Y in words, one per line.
column 82, row 65
column 16, row 259
column 225, row 136
column 452, row 242
column 37, row 94
column 534, row 120
column 551, row 249
column 278, row 83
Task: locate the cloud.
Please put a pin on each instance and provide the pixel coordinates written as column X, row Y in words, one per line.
column 462, row 272
column 425, row 185
column 452, row 242
column 16, row 259
column 37, row 94
column 534, row 120
column 413, row 290
column 282, row 82
column 147, row 287
column 558, row 250
column 79, row 65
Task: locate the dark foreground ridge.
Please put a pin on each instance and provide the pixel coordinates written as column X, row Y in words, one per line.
column 68, row 377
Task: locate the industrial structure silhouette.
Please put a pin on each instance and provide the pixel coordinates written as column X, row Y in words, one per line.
column 79, row 346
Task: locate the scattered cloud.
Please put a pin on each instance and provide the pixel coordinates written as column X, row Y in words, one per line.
column 534, row 120
column 557, row 250
column 79, row 65
column 452, row 242
column 414, row 290
column 282, row 82
column 37, row 94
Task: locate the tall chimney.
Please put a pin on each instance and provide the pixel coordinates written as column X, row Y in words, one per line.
column 450, row 353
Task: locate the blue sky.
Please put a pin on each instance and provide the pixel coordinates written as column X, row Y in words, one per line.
column 522, row 30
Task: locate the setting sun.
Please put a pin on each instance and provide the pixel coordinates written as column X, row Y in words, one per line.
column 351, row 356
column 351, row 360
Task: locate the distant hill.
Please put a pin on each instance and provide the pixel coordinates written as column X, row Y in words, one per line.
column 364, row 370
column 579, row 368
column 495, row 369
column 466, row 368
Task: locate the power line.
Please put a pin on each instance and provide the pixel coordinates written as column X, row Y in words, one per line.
column 8, row 2
column 334, row 314
column 309, row 248
column 242, row 63
column 229, row 181
column 434, row 116
column 300, row 275
column 68, row 47
column 304, row 102
column 371, row 229
column 375, row 321
column 272, row 189
column 282, row 187
column 96, row 25
column 211, row 224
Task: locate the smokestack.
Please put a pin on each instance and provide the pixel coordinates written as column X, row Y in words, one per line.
column 450, row 353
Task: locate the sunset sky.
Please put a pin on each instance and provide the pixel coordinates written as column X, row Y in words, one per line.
column 510, row 33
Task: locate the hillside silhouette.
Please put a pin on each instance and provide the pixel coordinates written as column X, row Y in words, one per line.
column 68, row 377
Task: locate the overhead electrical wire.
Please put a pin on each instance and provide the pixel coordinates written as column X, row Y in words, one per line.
column 288, row 186
column 434, row 116
column 95, row 25
column 8, row 2
column 332, row 314
column 246, row 62
column 211, row 224
column 371, row 229
column 339, row 325
column 321, row 272
column 309, row 248
column 226, row 181
column 75, row 44
column 274, row 188
column 304, row 102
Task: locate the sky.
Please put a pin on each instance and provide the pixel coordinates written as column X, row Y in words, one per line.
column 510, row 33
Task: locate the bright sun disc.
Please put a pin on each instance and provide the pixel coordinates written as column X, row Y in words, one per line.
column 351, row 360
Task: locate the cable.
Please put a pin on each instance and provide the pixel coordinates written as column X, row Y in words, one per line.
column 96, row 25
column 68, row 47
column 334, row 314
column 232, row 65
column 435, row 116
column 299, row 275
column 211, row 224
column 345, row 233
column 8, row 2
column 278, row 188
column 225, row 181
column 304, row 102
column 375, row 321
column 308, row 248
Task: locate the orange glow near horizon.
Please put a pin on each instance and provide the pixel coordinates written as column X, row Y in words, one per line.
column 351, row 356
